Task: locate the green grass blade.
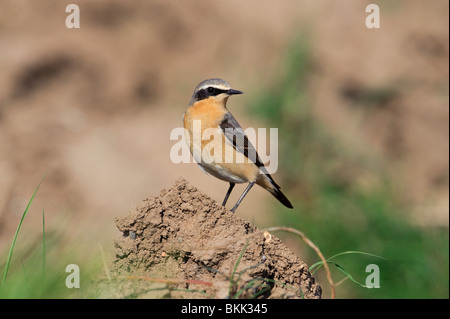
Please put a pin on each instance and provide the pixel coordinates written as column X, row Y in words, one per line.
column 317, row 265
column 261, row 291
column 346, row 273
column 248, row 285
column 302, row 295
column 11, row 249
column 43, row 240
column 356, row 252
column 248, row 268
column 239, row 260
column 232, row 281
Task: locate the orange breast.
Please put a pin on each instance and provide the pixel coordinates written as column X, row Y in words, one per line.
column 208, row 111
column 211, row 114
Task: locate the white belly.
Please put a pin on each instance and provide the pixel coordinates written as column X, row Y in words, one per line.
column 211, row 165
column 221, row 173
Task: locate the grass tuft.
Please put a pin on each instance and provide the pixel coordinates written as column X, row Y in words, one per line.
column 11, row 249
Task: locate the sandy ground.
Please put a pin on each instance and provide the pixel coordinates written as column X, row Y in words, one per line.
column 93, row 108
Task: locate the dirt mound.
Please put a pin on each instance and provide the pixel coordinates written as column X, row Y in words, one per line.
column 183, row 244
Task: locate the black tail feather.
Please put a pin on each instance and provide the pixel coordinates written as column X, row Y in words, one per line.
column 275, row 191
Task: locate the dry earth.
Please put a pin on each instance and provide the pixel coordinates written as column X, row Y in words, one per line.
column 182, row 242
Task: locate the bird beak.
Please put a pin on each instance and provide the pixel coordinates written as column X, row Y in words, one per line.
column 232, row 92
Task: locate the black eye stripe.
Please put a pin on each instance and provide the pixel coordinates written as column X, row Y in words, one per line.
column 200, row 95
column 207, row 92
column 214, row 91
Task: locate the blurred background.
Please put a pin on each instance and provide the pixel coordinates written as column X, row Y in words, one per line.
column 363, row 119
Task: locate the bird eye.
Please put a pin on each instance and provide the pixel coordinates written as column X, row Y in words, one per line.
column 211, row 90
column 201, row 95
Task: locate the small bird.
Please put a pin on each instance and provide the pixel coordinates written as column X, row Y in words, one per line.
column 208, row 107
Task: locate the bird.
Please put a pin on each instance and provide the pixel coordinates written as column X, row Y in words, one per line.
column 208, row 106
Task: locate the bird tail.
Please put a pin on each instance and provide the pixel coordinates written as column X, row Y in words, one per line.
column 269, row 184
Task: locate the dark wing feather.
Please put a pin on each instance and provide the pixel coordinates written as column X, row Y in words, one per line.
column 235, row 134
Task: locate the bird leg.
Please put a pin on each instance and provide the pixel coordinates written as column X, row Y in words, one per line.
column 228, row 193
column 250, row 185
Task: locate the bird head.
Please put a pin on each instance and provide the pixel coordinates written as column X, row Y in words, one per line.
column 216, row 89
